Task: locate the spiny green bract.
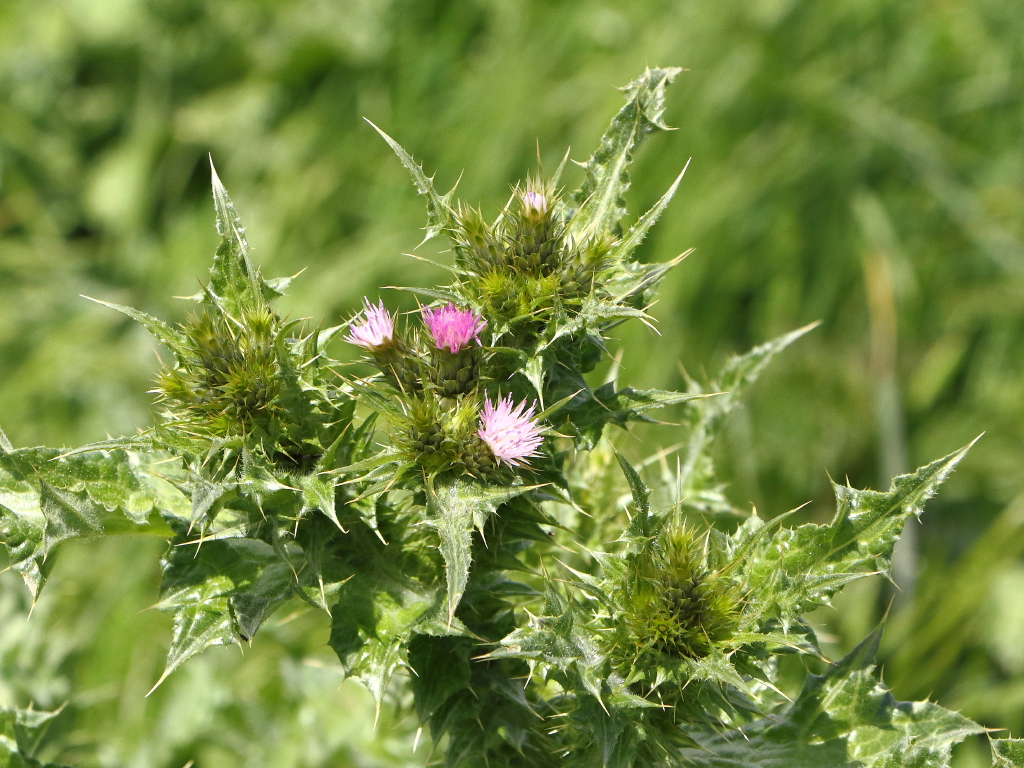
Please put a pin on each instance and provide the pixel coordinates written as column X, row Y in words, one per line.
column 553, row 603
column 232, row 381
column 444, row 438
column 671, row 602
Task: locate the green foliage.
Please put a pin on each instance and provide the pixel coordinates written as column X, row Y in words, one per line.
column 254, row 418
column 798, row 569
column 456, row 509
column 270, row 481
column 600, row 198
column 845, row 717
column 47, row 498
column 20, row 733
column 1007, row 753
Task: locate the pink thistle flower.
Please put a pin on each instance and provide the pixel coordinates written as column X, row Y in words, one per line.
column 376, row 330
column 512, row 434
column 451, row 327
column 535, row 202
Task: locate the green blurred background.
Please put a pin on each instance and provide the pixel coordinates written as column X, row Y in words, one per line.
column 860, row 162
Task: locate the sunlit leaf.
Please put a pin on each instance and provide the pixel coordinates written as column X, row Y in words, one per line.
column 457, row 508
column 600, row 197
column 20, row 733
column 797, row 569
column 845, row 718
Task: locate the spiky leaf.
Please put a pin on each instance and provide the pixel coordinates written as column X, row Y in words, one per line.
column 1007, row 753
column 376, row 615
column 797, row 569
column 234, row 282
column 846, row 719
column 221, row 592
column 20, row 734
column 600, row 197
column 624, row 248
column 47, row 498
column 439, row 211
column 455, row 508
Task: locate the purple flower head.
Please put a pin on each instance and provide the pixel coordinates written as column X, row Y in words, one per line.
column 511, row 433
column 451, row 327
column 535, row 202
column 376, row 330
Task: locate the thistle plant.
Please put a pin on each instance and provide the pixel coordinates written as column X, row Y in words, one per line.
column 458, row 503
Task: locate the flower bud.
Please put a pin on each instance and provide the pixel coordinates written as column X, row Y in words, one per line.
column 535, row 204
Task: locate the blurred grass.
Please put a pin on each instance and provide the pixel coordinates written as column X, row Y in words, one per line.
column 859, row 162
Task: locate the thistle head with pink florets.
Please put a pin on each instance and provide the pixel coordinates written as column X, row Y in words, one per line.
column 373, row 329
column 510, row 431
column 453, row 329
column 455, row 357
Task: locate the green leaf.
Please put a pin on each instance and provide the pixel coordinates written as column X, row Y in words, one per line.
column 318, row 493
column 907, row 754
column 844, row 719
column 441, row 668
column 20, row 734
column 204, row 496
column 234, row 282
column 23, row 537
column 1007, row 753
column 381, row 402
column 641, row 493
column 559, row 640
column 377, row 612
column 372, row 465
column 624, row 248
column 221, row 592
column 600, row 198
column 47, row 498
column 455, row 508
column 797, row 569
column 197, row 625
column 277, row 286
column 71, row 515
column 605, row 728
column 324, row 572
column 440, row 217
column 535, row 371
